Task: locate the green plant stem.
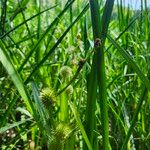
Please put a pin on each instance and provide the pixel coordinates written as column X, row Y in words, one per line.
column 98, row 76
column 64, row 113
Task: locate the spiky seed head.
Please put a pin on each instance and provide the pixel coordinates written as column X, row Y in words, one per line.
column 56, row 144
column 48, row 97
column 65, row 72
column 69, row 90
column 79, row 36
column 63, row 130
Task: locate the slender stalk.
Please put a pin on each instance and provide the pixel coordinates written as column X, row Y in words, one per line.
column 98, row 77
column 101, row 72
column 64, row 113
column 3, row 17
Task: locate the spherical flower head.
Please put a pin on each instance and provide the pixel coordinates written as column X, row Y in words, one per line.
column 65, row 72
column 79, row 36
column 69, row 90
column 63, row 130
column 48, row 97
column 60, row 135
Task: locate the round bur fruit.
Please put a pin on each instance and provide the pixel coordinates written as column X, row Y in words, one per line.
column 65, row 72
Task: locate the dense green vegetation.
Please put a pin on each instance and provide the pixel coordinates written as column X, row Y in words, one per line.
column 74, row 75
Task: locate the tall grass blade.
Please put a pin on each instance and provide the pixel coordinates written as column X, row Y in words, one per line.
column 98, row 68
column 139, row 106
column 6, row 61
column 44, row 34
column 21, row 24
column 129, row 59
column 80, row 125
column 101, row 73
column 126, row 29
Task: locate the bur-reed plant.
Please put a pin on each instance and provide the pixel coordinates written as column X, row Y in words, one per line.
column 104, row 104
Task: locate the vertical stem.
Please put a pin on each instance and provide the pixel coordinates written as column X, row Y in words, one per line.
column 90, row 118
column 99, row 33
column 91, row 103
column 100, row 70
column 64, row 108
column 71, row 18
column 3, row 16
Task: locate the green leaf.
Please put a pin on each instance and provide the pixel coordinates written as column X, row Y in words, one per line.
column 7, row 63
column 9, row 126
